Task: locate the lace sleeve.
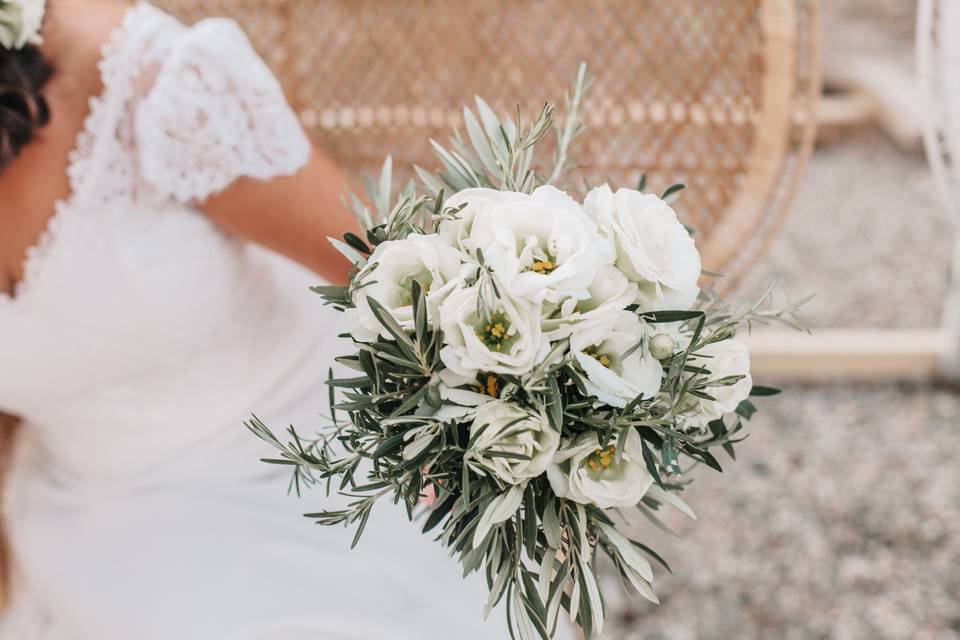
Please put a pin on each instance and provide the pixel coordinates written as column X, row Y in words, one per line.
column 215, row 113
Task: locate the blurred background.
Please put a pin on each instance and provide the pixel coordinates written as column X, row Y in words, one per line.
column 841, row 517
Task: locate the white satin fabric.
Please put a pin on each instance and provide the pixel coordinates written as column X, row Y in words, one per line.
column 139, row 340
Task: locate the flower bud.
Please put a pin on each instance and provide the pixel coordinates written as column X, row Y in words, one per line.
column 662, row 346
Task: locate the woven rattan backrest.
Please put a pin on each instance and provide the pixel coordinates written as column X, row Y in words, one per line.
column 718, row 95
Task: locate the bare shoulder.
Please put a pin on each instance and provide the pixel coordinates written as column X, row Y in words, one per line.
column 75, row 33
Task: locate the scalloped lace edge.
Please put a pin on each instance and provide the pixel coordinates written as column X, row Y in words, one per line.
column 111, row 67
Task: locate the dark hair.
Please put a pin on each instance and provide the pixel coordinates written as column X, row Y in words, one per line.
column 23, row 110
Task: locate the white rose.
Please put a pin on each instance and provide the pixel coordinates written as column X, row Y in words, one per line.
column 652, row 248
column 585, row 473
column 724, row 359
column 393, row 267
column 508, row 340
column 503, row 427
column 610, row 292
column 541, row 246
column 20, row 22
column 610, row 377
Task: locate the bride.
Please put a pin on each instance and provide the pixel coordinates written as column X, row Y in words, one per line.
column 155, row 191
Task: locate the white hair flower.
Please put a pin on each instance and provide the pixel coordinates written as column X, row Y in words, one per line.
column 20, row 22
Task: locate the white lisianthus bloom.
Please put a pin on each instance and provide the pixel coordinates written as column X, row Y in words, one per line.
column 455, row 229
column 610, row 292
column 584, row 472
column 541, row 246
column 652, row 248
column 727, row 358
column 610, row 377
column 504, row 427
column 462, row 395
column 20, row 22
column 507, row 339
column 391, row 270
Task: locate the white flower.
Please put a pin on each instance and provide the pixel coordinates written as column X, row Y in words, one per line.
column 541, row 246
column 506, row 340
column 611, row 377
column 727, row 358
column 585, row 473
column 460, row 396
column 456, row 230
column 652, row 248
column 393, row 267
column 610, row 292
column 503, row 427
column 20, row 22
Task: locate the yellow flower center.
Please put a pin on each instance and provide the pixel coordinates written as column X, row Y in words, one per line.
column 492, row 388
column 602, row 358
column 543, row 266
column 602, row 458
column 495, row 333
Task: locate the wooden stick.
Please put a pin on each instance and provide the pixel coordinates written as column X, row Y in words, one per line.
column 850, row 354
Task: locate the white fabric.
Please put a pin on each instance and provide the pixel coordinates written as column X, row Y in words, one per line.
column 139, row 340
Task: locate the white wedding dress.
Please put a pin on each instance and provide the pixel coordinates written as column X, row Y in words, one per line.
column 140, row 339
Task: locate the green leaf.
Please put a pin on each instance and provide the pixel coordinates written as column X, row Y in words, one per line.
column 765, row 391
column 465, row 486
column 554, row 404
column 398, row 332
column 593, row 593
column 671, row 316
column 551, row 524
column 354, row 241
column 628, row 553
column 703, row 456
column 746, row 409
column 410, row 402
column 651, row 461
column 500, row 509
column 360, row 382
column 351, row 254
column 672, row 189
column 419, row 312
column 670, row 455
column 530, row 528
column 439, row 512
column 668, row 497
column 497, row 588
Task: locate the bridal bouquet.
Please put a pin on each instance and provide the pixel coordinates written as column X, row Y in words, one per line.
column 528, row 367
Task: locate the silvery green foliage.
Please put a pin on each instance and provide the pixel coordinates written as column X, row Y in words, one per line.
column 406, row 424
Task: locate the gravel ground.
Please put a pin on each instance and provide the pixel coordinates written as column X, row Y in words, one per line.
column 868, row 235
column 841, row 518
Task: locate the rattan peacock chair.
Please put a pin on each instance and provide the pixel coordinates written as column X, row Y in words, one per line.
column 719, row 95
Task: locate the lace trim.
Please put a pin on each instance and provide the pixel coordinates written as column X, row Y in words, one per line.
column 215, row 114
column 111, row 67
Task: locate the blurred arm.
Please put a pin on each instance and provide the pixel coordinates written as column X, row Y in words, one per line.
column 292, row 215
